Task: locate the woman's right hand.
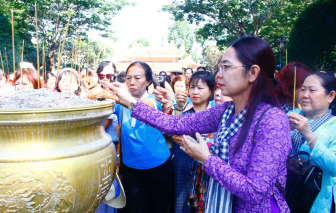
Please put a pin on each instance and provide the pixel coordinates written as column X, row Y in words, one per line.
column 121, row 90
column 181, row 98
column 162, row 95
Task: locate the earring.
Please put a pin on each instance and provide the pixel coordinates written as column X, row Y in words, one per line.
column 251, row 80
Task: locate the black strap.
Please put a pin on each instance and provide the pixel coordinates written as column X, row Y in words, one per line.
column 277, row 184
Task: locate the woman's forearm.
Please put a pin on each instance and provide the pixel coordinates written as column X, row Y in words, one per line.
column 203, row 122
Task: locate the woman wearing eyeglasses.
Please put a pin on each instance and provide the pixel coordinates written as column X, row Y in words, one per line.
column 242, row 172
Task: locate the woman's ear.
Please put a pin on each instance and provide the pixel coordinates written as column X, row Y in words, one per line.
column 253, row 73
column 331, row 96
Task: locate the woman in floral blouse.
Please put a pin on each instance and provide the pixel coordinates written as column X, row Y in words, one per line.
column 243, row 171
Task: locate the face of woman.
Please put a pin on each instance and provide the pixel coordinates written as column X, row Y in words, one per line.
column 83, row 76
column 51, row 83
column 188, row 73
column 94, row 77
column 104, row 76
column 26, row 84
column 219, row 98
column 136, row 81
column 179, row 86
column 68, row 84
column 313, row 97
column 232, row 78
column 199, row 92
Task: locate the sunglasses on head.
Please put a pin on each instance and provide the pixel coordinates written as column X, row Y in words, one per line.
column 102, row 76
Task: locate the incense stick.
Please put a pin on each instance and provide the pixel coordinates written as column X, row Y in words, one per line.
column 2, row 62
column 294, row 89
column 98, row 56
column 87, row 66
column 286, row 57
column 21, row 64
column 6, row 61
column 13, row 41
column 79, row 64
column 43, row 64
column 65, row 35
column 37, row 50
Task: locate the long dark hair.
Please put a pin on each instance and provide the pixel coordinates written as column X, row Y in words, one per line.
column 329, row 85
column 256, row 51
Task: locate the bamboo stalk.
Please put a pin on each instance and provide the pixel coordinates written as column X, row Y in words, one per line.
column 294, row 89
column 21, row 63
column 13, row 41
column 37, row 50
column 6, row 61
column 2, row 62
column 65, row 35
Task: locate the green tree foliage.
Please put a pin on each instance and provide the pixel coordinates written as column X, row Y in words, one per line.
column 53, row 17
column 97, row 51
column 211, row 54
column 313, row 40
column 143, row 42
column 224, row 21
column 182, row 34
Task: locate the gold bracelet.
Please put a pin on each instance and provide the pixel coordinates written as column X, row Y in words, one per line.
column 315, row 139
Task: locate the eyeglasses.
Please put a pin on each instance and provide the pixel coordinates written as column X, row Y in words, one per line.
column 108, row 76
column 226, row 67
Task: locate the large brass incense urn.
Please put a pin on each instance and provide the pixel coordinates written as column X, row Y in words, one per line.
column 55, row 160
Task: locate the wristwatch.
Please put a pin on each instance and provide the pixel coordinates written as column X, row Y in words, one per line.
column 132, row 105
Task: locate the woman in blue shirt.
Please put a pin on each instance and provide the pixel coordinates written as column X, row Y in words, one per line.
column 146, row 167
column 314, row 131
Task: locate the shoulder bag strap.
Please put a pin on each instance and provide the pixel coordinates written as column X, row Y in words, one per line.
column 119, row 154
column 277, row 184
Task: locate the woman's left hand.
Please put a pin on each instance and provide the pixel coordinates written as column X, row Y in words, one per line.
column 197, row 150
column 300, row 123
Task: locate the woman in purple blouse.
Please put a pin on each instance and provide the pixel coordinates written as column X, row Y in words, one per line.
column 243, row 172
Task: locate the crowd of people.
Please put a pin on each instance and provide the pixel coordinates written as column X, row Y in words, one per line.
column 211, row 141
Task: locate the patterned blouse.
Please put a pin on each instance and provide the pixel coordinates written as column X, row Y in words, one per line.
column 253, row 171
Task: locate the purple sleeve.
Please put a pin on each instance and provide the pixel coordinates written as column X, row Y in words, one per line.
column 273, row 143
column 203, row 122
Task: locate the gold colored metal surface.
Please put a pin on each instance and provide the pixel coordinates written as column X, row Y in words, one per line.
column 55, row 160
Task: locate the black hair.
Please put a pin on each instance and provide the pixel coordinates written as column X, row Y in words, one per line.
column 48, row 76
column 329, row 85
column 163, row 72
column 146, row 67
column 201, row 69
column 121, row 77
column 207, row 78
column 103, row 64
column 255, row 51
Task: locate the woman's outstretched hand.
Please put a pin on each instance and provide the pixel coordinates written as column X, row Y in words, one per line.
column 162, row 95
column 197, row 150
column 121, row 90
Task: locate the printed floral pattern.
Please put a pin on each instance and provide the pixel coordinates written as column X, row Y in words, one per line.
column 253, row 171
